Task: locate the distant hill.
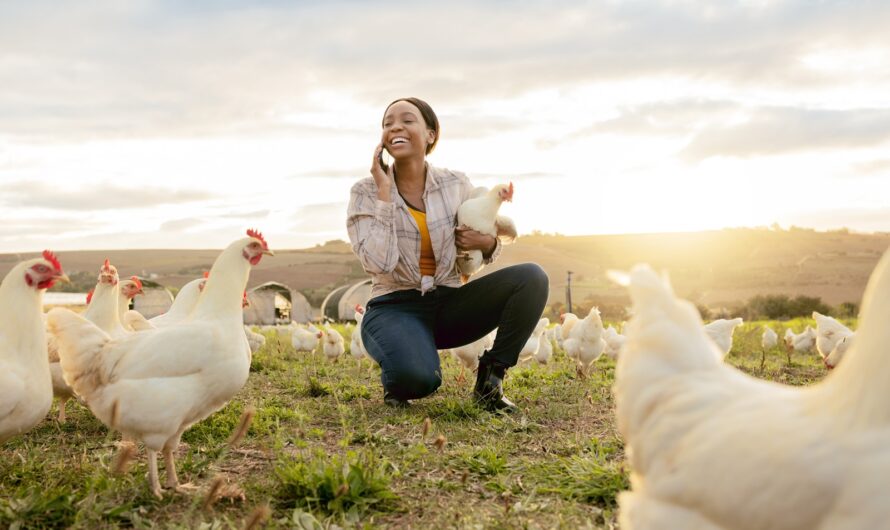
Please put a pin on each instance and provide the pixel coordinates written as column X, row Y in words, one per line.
column 714, row 268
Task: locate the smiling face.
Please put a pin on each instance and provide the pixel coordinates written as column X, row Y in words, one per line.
column 405, row 132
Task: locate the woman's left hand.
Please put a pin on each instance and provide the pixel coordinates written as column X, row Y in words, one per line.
column 468, row 239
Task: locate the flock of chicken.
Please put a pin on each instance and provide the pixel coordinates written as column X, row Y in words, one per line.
column 148, row 379
column 710, row 447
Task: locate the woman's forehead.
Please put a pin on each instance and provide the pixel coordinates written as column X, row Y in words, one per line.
column 401, row 108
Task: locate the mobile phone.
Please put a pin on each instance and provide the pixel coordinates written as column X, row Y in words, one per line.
column 383, row 165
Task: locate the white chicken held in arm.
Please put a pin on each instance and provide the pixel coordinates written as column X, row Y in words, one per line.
column 155, row 384
column 480, row 213
column 713, row 448
column 334, row 346
column 26, row 391
column 721, row 331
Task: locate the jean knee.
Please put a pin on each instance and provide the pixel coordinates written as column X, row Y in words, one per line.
column 414, row 384
column 535, row 277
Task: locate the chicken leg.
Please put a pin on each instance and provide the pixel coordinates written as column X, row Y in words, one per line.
column 153, row 482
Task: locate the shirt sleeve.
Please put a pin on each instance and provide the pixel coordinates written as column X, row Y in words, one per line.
column 371, row 228
column 494, row 253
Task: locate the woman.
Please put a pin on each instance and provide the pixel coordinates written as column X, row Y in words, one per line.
column 402, row 225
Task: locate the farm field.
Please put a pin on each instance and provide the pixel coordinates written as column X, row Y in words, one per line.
column 322, row 451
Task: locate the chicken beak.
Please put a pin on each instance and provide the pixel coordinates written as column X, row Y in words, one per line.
column 63, row 278
column 268, row 252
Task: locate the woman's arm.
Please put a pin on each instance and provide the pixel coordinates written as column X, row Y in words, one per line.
column 371, row 227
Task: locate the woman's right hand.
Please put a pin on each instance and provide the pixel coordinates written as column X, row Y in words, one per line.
column 383, row 180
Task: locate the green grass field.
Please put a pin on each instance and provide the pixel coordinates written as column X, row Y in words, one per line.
column 323, row 451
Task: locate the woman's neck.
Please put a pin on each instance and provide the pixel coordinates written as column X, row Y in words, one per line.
column 410, row 175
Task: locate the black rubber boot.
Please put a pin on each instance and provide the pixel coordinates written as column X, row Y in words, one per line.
column 489, row 390
column 394, row 402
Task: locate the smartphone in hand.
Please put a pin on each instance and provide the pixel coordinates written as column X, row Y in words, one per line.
column 383, row 165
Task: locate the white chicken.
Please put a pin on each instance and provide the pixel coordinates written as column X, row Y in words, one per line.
column 614, row 342
column 306, row 338
column 713, row 448
column 530, row 348
column 469, row 354
column 356, row 348
column 103, row 309
column 840, row 349
column 182, row 306
column 585, row 343
column 829, row 332
column 334, row 346
column 566, row 322
column 721, row 331
column 545, row 348
column 155, row 384
column 26, row 391
column 128, row 290
column 801, row 342
column 480, row 213
column 769, row 339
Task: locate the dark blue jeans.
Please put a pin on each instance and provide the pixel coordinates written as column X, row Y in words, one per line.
column 403, row 330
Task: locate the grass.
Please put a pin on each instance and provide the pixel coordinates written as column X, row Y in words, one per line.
column 323, row 452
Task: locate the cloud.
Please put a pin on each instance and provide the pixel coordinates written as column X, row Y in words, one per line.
column 104, row 196
column 778, row 130
column 321, row 218
column 873, row 167
column 158, row 68
column 254, row 214
column 45, row 226
column 179, row 225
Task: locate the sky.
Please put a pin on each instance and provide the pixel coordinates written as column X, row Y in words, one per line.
column 162, row 124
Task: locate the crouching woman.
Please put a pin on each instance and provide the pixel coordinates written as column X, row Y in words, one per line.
column 402, row 226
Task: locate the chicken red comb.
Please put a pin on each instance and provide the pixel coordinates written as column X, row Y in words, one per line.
column 50, row 257
column 137, row 281
column 511, row 189
column 89, row 296
column 107, row 264
column 256, row 234
column 206, row 274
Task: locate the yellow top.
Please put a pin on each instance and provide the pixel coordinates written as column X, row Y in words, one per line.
column 427, row 258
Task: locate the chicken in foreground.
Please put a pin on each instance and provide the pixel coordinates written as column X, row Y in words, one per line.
column 721, row 331
column 155, row 384
column 713, row 448
column 26, row 391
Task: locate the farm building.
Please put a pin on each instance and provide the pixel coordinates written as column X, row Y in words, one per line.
column 359, row 293
column 339, row 304
column 156, row 300
column 275, row 303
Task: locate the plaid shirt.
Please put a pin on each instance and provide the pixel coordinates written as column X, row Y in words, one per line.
column 386, row 239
